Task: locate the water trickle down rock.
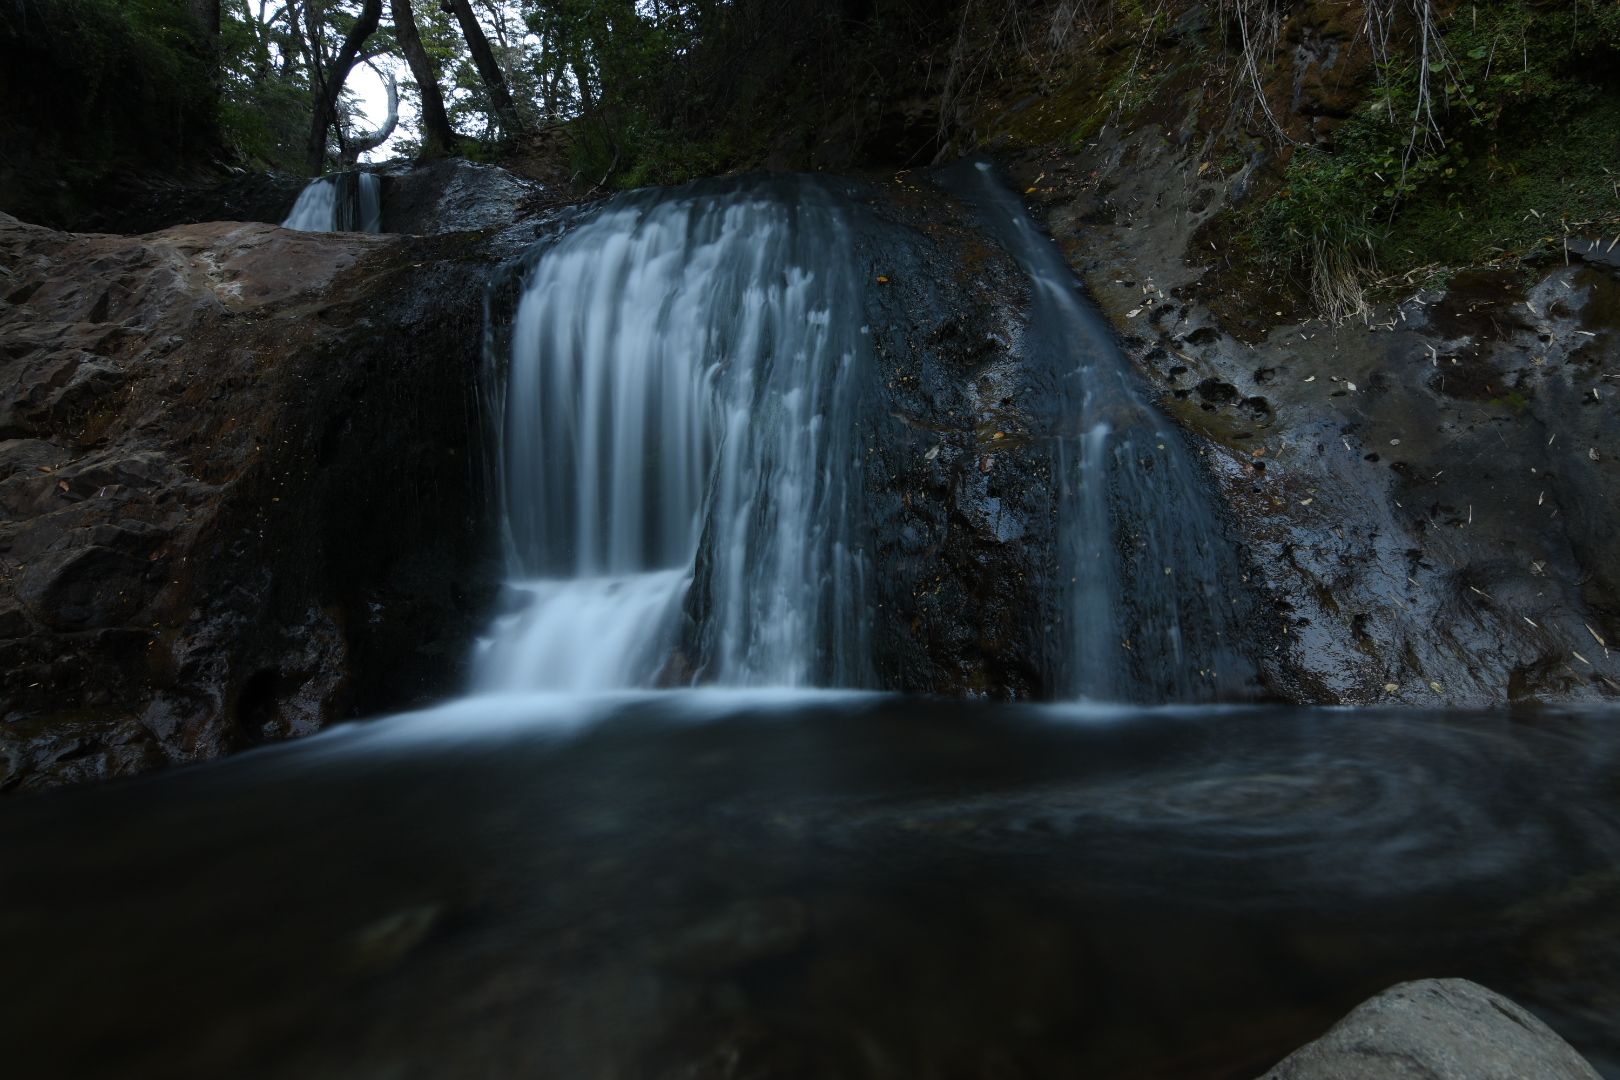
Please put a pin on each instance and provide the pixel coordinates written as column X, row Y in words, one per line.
column 1155, row 603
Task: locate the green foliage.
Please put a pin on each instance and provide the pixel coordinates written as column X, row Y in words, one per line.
column 674, row 157
column 265, row 100
column 94, row 89
column 1525, row 131
column 660, row 93
column 1517, row 199
column 466, row 101
column 124, row 62
column 649, row 92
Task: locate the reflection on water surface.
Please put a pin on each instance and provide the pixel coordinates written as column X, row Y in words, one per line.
column 716, row 884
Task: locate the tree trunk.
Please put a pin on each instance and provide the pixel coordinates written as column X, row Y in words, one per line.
column 362, row 143
column 437, row 137
column 326, row 99
column 489, row 70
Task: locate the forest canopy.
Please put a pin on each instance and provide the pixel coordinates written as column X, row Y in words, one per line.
column 1428, row 145
column 270, row 83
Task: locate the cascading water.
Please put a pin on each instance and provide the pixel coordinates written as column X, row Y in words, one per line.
column 678, row 475
column 682, row 390
column 1155, row 600
column 341, row 202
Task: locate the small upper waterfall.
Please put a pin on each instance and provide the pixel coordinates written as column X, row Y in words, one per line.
column 340, row 202
column 1154, row 589
column 679, row 481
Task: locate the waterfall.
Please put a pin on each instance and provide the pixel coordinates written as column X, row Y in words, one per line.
column 678, row 474
column 341, row 202
column 683, row 390
column 1153, row 590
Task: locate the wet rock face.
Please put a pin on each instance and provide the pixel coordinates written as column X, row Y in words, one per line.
column 1436, row 1029
column 958, row 468
column 1428, row 498
column 238, row 494
column 1435, row 508
column 455, row 196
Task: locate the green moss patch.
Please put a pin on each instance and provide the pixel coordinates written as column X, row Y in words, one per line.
column 1517, row 146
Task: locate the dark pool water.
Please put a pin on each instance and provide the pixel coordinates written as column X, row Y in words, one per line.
column 701, row 885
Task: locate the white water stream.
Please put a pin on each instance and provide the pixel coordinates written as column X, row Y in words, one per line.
column 1155, row 599
column 679, row 394
column 680, row 379
column 341, row 202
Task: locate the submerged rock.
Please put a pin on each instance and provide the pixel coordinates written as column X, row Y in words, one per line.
column 1436, row 1029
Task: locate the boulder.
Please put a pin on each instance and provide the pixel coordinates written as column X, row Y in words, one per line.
column 457, row 196
column 1436, row 1029
column 240, row 493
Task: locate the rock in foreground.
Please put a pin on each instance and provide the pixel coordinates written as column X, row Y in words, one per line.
column 1436, row 1029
